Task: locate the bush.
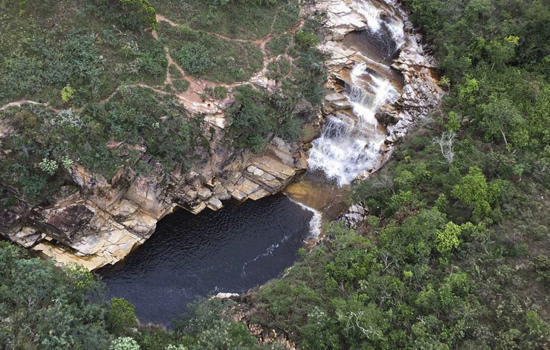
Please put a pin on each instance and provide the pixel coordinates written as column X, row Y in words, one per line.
column 46, row 307
column 181, row 85
column 124, row 343
column 121, row 316
column 67, row 93
column 130, row 14
column 206, row 326
column 218, row 92
column 49, row 166
column 195, row 58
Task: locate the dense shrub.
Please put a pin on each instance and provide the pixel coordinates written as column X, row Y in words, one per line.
column 195, row 58
column 121, row 316
column 130, row 14
column 43, row 307
column 103, row 138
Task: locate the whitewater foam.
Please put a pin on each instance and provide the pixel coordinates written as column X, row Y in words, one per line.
column 316, row 220
column 346, row 149
column 350, row 146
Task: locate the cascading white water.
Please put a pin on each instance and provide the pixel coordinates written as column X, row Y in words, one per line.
column 395, row 26
column 375, row 22
column 365, row 104
column 370, row 12
column 346, row 148
column 350, row 144
column 316, row 220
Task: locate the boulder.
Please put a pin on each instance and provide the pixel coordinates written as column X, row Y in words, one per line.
column 215, row 204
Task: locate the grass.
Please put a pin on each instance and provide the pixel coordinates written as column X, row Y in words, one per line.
column 278, row 45
column 178, row 82
column 239, row 20
column 287, row 17
column 102, row 138
column 180, row 85
column 51, row 44
column 207, row 56
column 175, row 72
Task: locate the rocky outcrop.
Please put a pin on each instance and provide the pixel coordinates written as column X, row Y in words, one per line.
column 354, row 217
column 411, row 70
column 102, row 222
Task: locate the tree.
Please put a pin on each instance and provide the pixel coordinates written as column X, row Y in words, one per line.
column 447, row 240
column 121, row 316
column 500, row 118
column 124, row 343
column 195, row 58
column 141, row 11
column 131, row 14
column 67, row 93
column 445, row 142
column 473, row 191
column 502, row 51
column 44, row 307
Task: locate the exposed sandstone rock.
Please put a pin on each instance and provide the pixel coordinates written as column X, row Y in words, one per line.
column 105, row 220
column 354, row 217
column 27, row 237
column 415, row 80
column 335, row 97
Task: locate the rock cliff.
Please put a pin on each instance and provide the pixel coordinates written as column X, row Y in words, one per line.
column 104, row 220
column 396, row 54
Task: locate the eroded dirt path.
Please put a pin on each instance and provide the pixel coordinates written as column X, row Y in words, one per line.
column 19, row 103
column 197, row 86
column 192, row 98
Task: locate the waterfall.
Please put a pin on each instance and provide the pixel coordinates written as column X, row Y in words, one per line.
column 346, row 148
column 316, row 220
column 375, row 22
column 395, row 27
column 351, row 142
column 371, row 13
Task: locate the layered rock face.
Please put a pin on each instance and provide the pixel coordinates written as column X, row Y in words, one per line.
column 382, row 82
column 102, row 222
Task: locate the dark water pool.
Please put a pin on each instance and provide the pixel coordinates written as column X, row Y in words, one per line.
column 232, row 250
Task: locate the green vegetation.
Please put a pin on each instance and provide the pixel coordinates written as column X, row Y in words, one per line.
column 207, row 56
column 257, row 116
column 95, row 79
column 55, row 52
column 98, row 79
column 456, row 251
column 121, row 316
column 130, row 14
column 278, row 45
column 216, row 92
column 178, row 82
column 234, row 19
column 414, row 280
column 44, row 307
column 103, row 138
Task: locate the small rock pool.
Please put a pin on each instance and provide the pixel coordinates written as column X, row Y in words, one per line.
column 230, row 251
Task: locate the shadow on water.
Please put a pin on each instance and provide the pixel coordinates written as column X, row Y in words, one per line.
column 379, row 46
column 320, row 193
column 231, row 251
